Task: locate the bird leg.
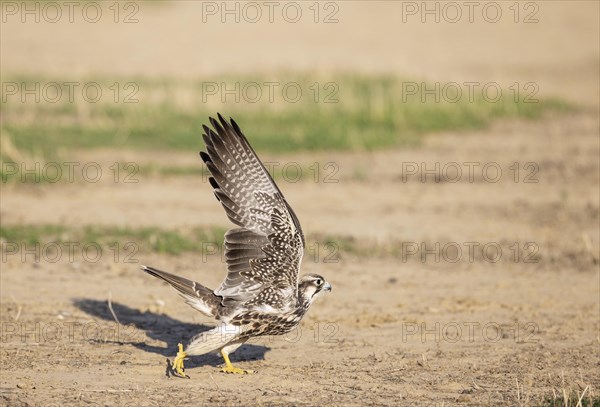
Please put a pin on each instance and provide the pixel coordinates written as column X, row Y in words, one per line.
column 229, row 367
column 177, row 367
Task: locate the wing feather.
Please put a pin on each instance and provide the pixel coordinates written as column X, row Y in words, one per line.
column 267, row 248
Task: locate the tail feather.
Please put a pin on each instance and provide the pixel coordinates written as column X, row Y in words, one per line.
column 195, row 294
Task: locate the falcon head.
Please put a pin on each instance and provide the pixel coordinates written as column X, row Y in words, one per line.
column 312, row 286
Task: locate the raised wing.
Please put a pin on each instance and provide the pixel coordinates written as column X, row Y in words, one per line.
column 266, row 250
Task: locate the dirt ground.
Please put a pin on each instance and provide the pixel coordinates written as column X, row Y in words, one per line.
column 392, row 331
column 519, row 330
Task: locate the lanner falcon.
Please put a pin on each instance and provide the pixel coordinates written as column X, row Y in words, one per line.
column 262, row 293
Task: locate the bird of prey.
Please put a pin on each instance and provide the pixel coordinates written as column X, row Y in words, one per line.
column 262, row 293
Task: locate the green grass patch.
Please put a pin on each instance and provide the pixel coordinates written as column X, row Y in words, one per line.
column 148, row 239
column 31, row 234
column 572, row 400
column 336, row 112
column 209, row 241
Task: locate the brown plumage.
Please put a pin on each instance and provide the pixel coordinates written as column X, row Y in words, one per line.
column 262, row 293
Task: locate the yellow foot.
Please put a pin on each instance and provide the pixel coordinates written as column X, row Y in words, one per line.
column 177, row 367
column 235, row 370
column 229, row 367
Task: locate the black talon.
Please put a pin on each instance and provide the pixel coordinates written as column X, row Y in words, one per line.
column 168, row 369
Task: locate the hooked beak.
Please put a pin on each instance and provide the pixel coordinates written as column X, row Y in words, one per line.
column 327, row 287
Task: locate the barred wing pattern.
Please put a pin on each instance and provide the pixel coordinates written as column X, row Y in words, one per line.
column 263, row 255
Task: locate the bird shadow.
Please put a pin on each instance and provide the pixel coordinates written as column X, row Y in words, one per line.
column 163, row 328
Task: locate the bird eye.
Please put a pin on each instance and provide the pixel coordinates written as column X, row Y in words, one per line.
column 319, row 281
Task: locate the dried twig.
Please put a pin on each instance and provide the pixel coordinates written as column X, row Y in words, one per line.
column 581, row 398
column 213, row 380
column 112, row 311
column 19, row 307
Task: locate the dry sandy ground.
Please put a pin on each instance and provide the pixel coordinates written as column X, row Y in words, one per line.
column 392, row 332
